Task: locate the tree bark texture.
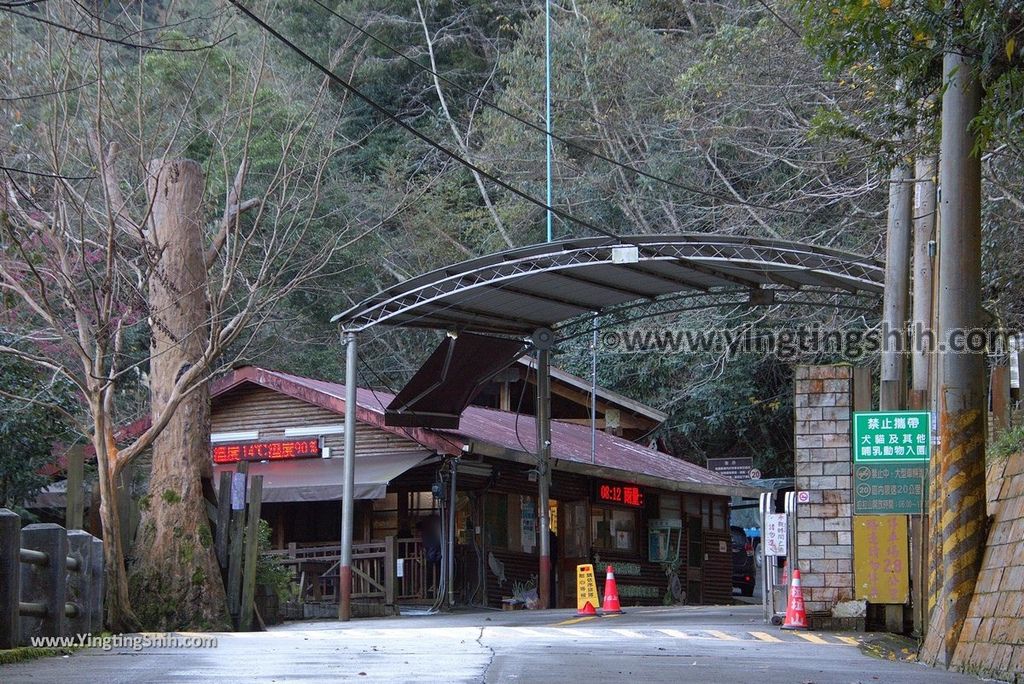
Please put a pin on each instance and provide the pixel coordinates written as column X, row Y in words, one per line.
column 176, row 581
column 958, row 508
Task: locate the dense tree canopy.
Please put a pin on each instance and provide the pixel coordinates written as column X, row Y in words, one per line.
column 768, row 119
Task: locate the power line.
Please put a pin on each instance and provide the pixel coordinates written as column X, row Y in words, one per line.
column 568, row 143
column 421, row 136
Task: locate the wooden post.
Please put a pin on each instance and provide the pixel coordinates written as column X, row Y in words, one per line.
column 223, row 520
column 252, row 547
column 862, row 388
column 1000, row 390
column 389, row 570
column 237, row 496
column 75, row 503
column 10, row 578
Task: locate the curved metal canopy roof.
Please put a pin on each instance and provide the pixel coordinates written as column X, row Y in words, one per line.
column 541, row 286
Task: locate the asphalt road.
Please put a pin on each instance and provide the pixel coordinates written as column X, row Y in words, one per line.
column 680, row 644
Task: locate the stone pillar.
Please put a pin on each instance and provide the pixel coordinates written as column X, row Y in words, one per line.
column 44, row 584
column 80, row 583
column 10, row 578
column 823, row 421
column 99, row 586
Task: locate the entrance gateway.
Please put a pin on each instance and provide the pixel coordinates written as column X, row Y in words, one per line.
column 546, row 293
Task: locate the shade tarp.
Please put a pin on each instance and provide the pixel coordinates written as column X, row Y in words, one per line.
column 311, row 479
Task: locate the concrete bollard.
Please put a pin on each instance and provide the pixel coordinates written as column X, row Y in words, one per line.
column 10, row 578
column 80, row 583
column 44, row 584
column 97, row 578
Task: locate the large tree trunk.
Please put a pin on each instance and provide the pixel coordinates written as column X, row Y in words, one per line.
column 176, row 582
column 119, row 615
column 958, row 506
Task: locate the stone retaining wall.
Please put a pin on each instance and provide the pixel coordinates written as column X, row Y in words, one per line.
column 992, row 641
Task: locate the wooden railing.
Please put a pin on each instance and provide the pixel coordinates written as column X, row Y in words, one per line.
column 389, row 571
column 51, row 581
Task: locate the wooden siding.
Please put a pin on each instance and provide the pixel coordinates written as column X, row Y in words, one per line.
column 717, row 585
column 256, row 408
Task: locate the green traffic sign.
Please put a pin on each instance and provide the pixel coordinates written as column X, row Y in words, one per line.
column 881, row 436
column 890, row 488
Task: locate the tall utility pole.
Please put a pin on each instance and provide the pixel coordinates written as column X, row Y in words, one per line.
column 924, row 242
column 921, row 353
column 543, row 420
column 895, row 308
column 892, row 393
column 547, row 113
column 958, row 510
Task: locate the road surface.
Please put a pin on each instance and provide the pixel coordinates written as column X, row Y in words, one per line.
column 679, row 644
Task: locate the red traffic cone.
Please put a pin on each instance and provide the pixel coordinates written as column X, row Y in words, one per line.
column 611, row 594
column 587, row 609
column 796, row 616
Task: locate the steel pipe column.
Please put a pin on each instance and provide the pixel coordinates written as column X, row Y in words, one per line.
column 348, row 487
column 543, row 420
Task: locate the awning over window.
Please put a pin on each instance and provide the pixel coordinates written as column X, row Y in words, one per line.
column 321, row 479
column 454, row 373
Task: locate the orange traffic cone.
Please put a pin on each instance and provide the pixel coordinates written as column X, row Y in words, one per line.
column 796, row 616
column 587, row 609
column 611, row 594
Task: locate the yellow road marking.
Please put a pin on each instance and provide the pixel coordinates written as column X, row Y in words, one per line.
column 848, row 640
column 813, row 638
column 721, row 635
column 629, row 633
column 573, row 621
column 764, row 636
column 675, row 633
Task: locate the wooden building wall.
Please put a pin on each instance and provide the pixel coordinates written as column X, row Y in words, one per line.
column 250, row 407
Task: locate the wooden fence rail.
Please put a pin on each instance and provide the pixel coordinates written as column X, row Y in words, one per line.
column 51, row 581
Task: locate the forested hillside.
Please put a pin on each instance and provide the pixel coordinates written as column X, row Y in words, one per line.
column 737, row 126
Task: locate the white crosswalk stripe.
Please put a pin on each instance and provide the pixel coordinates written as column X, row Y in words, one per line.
column 675, row 633
column 630, row 634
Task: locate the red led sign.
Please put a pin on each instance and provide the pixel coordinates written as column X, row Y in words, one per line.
column 624, row 495
column 267, row 451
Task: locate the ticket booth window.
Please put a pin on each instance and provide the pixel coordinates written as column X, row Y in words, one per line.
column 613, row 529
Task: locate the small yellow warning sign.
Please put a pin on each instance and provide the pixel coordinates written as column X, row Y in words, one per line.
column 586, row 589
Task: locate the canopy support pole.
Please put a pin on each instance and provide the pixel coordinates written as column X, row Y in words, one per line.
column 543, row 420
column 348, row 486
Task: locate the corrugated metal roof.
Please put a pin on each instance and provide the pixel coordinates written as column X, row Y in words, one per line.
column 508, row 435
column 542, row 286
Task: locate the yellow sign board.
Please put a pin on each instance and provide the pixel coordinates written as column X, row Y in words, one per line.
column 881, row 567
column 586, row 588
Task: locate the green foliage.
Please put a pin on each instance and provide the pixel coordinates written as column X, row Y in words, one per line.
column 1008, row 443
column 29, row 428
column 270, row 571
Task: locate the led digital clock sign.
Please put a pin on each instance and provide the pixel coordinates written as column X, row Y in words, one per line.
column 267, row 451
column 623, row 495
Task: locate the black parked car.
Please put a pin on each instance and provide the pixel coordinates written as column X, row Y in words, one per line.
column 742, row 561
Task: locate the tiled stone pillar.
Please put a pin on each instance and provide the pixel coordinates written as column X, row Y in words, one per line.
column 823, row 406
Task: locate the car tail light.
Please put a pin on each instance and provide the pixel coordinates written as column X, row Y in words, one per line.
column 750, row 548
